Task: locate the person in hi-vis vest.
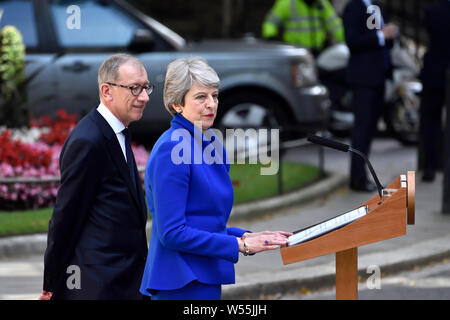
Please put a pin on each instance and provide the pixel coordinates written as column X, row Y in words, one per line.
column 305, row 23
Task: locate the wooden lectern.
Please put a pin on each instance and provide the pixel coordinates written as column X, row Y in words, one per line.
column 386, row 218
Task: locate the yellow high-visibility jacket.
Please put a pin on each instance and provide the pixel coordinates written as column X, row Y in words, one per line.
column 304, row 25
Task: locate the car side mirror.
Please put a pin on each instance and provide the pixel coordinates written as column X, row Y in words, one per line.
column 142, row 40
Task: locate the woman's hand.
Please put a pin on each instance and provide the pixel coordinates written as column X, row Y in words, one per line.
column 256, row 234
column 251, row 243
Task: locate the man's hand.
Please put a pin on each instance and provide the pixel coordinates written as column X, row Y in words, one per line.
column 46, row 295
column 390, row 31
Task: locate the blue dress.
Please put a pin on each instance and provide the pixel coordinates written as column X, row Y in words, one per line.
column 189, row 194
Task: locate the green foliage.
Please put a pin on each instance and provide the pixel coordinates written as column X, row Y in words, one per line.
column 250, row 185
column 13, row 108
column 24, row 222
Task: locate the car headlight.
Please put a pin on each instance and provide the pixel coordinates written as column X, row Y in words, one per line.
column 304, row 72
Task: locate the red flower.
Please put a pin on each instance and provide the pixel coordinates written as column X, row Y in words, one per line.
column 59, row 127
column 18, row 154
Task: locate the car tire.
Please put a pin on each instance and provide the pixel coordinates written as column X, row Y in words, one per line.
column 249, row 109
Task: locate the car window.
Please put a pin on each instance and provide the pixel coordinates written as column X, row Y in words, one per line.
column 92, row 24
column 20, row 14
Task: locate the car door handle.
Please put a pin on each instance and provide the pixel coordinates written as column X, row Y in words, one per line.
column 77, row 66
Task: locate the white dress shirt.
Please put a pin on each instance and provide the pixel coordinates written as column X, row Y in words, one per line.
column 380, row 34
column 115, row 124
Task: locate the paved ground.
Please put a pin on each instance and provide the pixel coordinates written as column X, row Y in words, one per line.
column 428, row 238
column 21, row 278
column 431, row 282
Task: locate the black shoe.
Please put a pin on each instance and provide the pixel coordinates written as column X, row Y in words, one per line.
column 364, row 186
column 428, row 176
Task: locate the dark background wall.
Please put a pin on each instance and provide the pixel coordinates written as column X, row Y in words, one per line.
column 199, row 19
column 409, row 15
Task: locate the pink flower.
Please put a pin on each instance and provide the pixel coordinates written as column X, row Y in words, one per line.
column 54, row 191
column 6, row 170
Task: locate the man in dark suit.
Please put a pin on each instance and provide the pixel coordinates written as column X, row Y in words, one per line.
column 97, row 246
column 367, row 36
column 435, row 65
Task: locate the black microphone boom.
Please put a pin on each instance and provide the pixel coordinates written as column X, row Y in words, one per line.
column 328, row 143
column 345, row 148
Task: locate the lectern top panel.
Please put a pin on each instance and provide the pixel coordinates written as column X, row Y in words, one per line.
column 385, row 219
column 326, row 226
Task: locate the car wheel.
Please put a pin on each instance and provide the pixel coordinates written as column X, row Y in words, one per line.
column 402, row 120
column 251, row 110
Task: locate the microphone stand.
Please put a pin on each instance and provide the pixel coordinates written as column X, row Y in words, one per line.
column 372, row 171
column 346, row 148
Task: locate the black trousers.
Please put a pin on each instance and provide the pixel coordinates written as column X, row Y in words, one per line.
column 431, row 106
column 368, row 106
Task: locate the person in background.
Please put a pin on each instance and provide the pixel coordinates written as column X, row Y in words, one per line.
column 305, row 23
column 433, row 76
column 192, row 252
column 368, row 68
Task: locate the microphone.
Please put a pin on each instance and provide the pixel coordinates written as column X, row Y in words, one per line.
column 345, row 148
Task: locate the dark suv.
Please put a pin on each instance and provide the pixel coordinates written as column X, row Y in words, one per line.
column 262, row 83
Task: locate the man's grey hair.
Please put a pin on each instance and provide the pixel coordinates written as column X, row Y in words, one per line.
column 109, row 70
column 180, row 76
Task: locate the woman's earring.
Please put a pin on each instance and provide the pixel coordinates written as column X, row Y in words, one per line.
column 177, row 108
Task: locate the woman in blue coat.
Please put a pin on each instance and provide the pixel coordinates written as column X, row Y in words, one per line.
column 190, row 195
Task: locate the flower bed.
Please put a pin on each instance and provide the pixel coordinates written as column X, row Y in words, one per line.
column 29, row 162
